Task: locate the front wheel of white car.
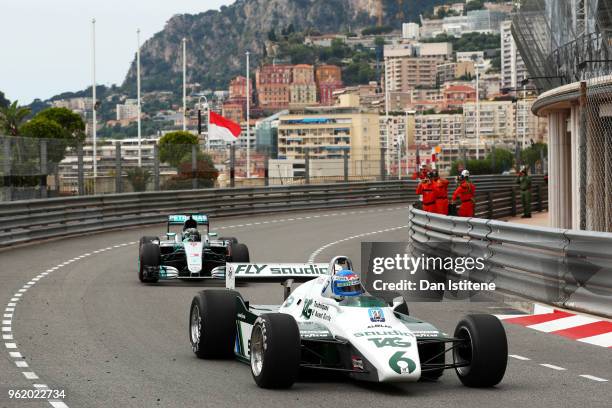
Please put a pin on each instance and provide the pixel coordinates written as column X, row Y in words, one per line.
column 212, row 323
column 482, row 354
column 275, row 350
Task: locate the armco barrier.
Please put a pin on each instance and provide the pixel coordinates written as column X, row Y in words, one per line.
column 569, row 268
column 25, row 221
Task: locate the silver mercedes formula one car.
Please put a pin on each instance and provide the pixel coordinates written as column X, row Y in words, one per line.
column 189, row 253
column 330, row 323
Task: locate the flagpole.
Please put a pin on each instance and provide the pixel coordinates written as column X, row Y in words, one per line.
column 138, row 91
column 248, row 116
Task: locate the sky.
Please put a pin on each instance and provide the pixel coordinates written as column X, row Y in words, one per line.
column 46, row 45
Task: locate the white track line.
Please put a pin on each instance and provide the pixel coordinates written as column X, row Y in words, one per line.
column 554, row 367
column 592, row 377
column 519, row 357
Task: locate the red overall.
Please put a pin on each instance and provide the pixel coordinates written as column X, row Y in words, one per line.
column 426, row 188
column 465, row 192
column 441, row 188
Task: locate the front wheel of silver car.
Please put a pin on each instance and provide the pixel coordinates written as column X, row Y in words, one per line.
column 275, row 350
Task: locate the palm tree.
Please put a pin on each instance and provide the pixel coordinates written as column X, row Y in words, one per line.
column 12, row 117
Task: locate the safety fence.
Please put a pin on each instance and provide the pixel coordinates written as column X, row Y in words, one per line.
column 29, row 220
column 568, row 268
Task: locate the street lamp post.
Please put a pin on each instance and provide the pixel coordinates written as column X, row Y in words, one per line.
column 93, row 89
column 184, row 83
column 138, row 97
column 248, row 115
column 477, row 113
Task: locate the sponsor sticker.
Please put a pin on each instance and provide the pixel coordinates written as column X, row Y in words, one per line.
column 376, row 315
column 381, row 342
column 357, row 362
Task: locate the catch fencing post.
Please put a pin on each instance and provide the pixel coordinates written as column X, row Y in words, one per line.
column 43, row 168
column 383, row 169
column 194, row 166
column 232, row 165
column 80, row 170
column 267, row 171
column 346, row 166
column 307, row 165
column 156, row 167
column 118, row 186
column 8, row 185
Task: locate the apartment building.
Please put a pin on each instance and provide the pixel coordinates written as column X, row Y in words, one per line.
column 513, row 69
column 327, row 133
column 128, row 110
column 436, row 129
column 303, row 89
column 497, row 120
column 273, row 83
column 329, row 80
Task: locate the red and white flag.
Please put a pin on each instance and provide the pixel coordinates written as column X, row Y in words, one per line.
column 223, row 128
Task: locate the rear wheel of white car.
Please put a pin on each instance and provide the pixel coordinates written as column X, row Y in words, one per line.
column 149, row 257
column 275, row 350
column 484, row 350
column 239, row 253
column 212, row 323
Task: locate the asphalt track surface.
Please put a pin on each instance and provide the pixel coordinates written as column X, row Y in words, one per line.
column 92, row 329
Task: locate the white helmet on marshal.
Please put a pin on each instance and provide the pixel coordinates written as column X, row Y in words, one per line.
column 465, row 173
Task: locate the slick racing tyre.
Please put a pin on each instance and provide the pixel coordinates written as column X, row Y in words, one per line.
column 275, row 350
column 212, row 323
column 484, row 350
column 149, row 256
column 147, row 240
column 233, row 240
column 239, row 253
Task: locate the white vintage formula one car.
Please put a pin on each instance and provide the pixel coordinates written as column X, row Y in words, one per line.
column 330, row 323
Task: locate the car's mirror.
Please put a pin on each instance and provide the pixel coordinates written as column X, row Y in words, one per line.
column 213, row 234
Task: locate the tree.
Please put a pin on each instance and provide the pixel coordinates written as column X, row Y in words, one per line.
column 41, row 128
column 138, row 178
column 533, row 154
column 12, row 117
column 205, row 173
column 71, row 122
column 503, row 160
column 3, row 101
column 175, row 145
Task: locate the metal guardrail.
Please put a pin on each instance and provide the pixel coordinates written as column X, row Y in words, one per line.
column 30, row 220
column 567, row 268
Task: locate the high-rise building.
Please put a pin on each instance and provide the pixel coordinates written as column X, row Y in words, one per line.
column 513, row 69
column 273, row 86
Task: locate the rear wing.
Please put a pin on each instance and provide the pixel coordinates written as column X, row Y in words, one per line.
column 179, row 219
column 272, row 272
